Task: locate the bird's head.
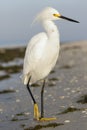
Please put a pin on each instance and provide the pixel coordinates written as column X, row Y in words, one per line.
column 52, row 14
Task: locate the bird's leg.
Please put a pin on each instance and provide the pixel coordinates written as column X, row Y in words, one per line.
column 36, row 110
column 42, row 106
column 42, row 103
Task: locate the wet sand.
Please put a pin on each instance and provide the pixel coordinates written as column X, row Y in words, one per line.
column 65, row 94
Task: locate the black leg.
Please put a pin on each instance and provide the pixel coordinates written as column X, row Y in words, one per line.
column 28, row 87
column 42, row 103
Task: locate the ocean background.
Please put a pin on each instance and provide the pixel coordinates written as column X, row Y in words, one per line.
column 16, row 19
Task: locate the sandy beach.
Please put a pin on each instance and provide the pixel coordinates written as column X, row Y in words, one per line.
column 65, row 91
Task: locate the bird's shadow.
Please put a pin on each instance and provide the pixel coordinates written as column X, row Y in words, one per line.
column 41, row 126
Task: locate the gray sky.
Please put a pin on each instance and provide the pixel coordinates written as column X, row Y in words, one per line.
column 16, row 17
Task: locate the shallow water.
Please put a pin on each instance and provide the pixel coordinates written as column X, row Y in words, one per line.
column 65, row 95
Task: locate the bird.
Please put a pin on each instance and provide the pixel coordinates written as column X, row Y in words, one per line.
column 41, row 55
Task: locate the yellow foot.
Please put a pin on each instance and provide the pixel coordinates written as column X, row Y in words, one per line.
column 37, row 115
column 36, row 112
column 47, row 119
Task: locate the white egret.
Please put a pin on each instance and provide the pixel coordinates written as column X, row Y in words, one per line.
column 41, row 55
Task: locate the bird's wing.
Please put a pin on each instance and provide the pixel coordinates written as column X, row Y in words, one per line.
column 34, row 52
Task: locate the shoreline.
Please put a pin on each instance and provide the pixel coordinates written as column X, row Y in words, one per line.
column 61, row 44
column 14, row 52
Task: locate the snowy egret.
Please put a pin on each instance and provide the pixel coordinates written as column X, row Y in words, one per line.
column 41, row 55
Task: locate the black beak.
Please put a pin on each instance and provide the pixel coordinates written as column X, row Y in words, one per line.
column 69, row 19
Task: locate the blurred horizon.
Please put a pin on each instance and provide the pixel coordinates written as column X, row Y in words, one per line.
column 17, row 16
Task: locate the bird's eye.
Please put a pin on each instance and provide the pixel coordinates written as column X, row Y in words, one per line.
column 56, row 15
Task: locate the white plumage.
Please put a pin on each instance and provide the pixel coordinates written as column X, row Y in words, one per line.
column 40, row 57
column 43, row 49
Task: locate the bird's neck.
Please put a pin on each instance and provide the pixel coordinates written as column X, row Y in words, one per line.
column 51, row 29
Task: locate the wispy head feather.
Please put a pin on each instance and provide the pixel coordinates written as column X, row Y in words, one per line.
column 36, row 19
